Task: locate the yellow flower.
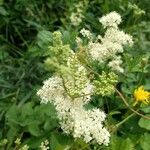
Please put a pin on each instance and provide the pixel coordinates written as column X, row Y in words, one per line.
column 141, row 95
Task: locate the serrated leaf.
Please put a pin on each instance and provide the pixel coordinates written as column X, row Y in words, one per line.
column 60, row 141
column 34, row 129
column 145, row 109
column 12, row 115
column 12, row 132
column 144, row 123
column 50, row 124
column 26, row 110
column 33, row 142
column 145, row 141
column 117, row 143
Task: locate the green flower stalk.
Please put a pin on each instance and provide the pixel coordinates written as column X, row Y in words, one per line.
column 105, row 83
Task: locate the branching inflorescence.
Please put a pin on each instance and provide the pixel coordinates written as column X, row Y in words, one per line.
column 71, row 88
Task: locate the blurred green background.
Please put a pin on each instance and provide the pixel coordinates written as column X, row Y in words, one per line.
column 26, row 28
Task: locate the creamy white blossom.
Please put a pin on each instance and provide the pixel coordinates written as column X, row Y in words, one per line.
column 52, row 87
column 69, row 94
column 79, row 41
column 86, row 124
column 116, row 64
column 77, row 15
column 112, row 43
column 86, row 33
column 71, row 89
column 117, row 36
column 74, row 119
column 25, row 147
column 44, row 145
column 54, row 91
column 76, row 18
column 111, row 20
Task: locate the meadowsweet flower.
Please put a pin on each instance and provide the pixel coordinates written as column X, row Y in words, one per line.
column 79, row 41
column 62, row 91
column 44, row 145
column 25, row 147
column 3, row 142
column 116, row 36
column 86, row 124
column 86, row 33
column 115, row 64
column 77, row 15
column 111, row 20
column 107, row 49
column 76, row 18
column 74, row 119
column 70, row 88
column 18, row 141
column 69, row 93
column 141, row 95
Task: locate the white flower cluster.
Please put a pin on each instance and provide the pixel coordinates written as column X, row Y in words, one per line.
column 70, row 88
column 115, row 64
column 79, row 41
column 112, row 43
column 74, row 119
column 69, row 94
column 78, row 12
column 113, row 19
column 25, row 147
column 44, row 145
column 76, row 17
column 86, row 124
column 86, row 33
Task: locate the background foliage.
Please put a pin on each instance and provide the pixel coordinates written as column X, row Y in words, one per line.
column 25, row 33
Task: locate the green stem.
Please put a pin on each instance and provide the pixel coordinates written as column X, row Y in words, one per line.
column 141, row 77
column 124, row 120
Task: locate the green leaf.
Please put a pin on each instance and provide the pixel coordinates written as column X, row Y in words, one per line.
column 118, row 143
column 144, row 123
column 60, row 141
column 26, row 110
column 13, row 115
column 145, row 109
column 50, row 124
column 12, row 132
column 3, row 54
column 47, row 109
column 145, row 141
column 21, row 116
column 44, row 37
column 33, row 142
column 3, row 11
column 34, row 129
